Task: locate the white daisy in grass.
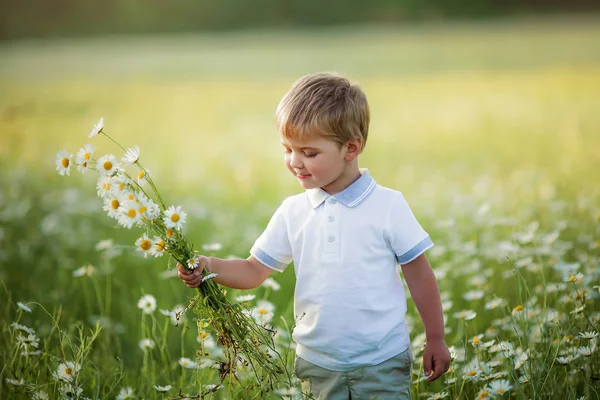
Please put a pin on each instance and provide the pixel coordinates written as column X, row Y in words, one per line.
column 212, row 247
column 447, row 305
column 147, row 303
column 473, row 295
column 187, row 363
column 438, row 396
column 142, row 177
column 83, row 158
column 245, row 298
column 88, row 270
column 147, row 344
column 132, row 155
column 104, row 186
column 128, row 214
column 63, row 163
column 162, row 389
column 585, row 351
column 66, row 371
column 120, row 184
column 111, row 205
column 202, row 336
column 518, row 310
column 263, row 312
column 588, row 335
column 520, row 359
column 125, row 393
column 97, row 128
column 477, row 281
column 174, row 217
column 495, row 303
column 476, row 340
column 565, row 360
column 22, row 328
column 158, row 247
column 107, row 165
column 39, row 395
column 143, row 244
column 467, row 315
column 523, row 379
column 271, row 284
column 23, row 306
column 148, row 209
column 484, row 393
column 15, row 382
column 500, row 387
column 29, row 340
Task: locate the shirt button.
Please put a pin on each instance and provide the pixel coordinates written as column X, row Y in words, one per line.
column 332, row 201
column 331, row 218
column 331, row 239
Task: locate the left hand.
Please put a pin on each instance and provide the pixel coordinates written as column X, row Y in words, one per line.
column 436, row 359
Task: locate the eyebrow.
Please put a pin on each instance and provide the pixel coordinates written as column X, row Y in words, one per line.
column 302, row 148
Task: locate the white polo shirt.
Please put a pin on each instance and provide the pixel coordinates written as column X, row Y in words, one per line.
column 349, row 300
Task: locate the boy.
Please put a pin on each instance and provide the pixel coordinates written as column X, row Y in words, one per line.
column 345, row 235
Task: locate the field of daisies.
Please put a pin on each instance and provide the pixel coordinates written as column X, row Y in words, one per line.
column 491, row 131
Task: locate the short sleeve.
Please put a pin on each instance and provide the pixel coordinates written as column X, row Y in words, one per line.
column 273, row 248
column 407, row 238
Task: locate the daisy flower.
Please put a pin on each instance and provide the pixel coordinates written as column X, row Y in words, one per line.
column 104, row 186
column 187, row 363
column 84, row 157
column 142, row 177
column 125, row 393
column 107, row 165
column 263, row 312
column 148, row 209
column 23, row 328
column 193, row 262
column 147, row 304
column 588, row 335
column 84, row 270
column 15, row 382
column 111, row 205
column 493, row 304
column 23, row 306
column 63, row 163
column 476, row 340
column 500, row 386
column 438, row 396
column 132, row 155
column 523, row 379
column 66, row 371
column 484, row 393
column 96, row 129
column 120, row 184
column 585, row 351
column 565, row 360
column 40, row 395
column 467, row 315
column 473, row 295
column 143, row 244
column 174, row 217
column 162, row 388
column 245, row 298
column 271, row 283
column 128, row 214
column 147, row 344
column 212, row 247
column 158, row 248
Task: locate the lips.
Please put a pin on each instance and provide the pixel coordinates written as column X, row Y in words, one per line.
column 300, row 176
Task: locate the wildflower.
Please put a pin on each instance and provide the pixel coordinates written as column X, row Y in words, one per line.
column 499, row 387
column 493, row 304
column 438, row 396
column 132, row 155
column 96, row 129
column 174, row 217
column 23, row 306
column 142, row 177
column 15, row 382
column 523, row 379
column 40, row 395
column 520, row 360
column 63, row 163
column 121, row 184
column 158, row 248
column 104, row 186
column 476, row 340
column 23, row 328
column 128, row 214
column 517, row 309
column 577, row 278
column 107, row 165
column 271, row 283
column 473, row 295
column 447, row 305
column 187, row 363
column 588, row 335
column 125, row 393
column 84, row 270
column 143, row 244
column 263, row 312
column 31, row 340
column 147, row 304
column 467, row 315
column 147, row 344
column 484, row 393
column 163, row 388
column 212, row 247
column 245, row 298
column 111, row 205
column 193, row 262
column 66, row 371
column 585, row 351
column 84, row 157
column 565, row 360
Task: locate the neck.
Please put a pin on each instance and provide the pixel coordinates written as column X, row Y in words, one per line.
column 347, row 178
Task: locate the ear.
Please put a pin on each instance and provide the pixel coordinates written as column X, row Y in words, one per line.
column 353, row 148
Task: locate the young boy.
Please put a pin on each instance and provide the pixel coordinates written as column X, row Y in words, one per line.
column 345, row 235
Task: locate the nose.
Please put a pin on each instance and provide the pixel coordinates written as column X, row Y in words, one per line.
column 296, row 161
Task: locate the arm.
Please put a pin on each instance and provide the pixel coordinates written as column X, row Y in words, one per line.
column 425, row 293
column 234, row 273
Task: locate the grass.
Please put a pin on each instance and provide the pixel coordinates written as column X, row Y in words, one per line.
column 490, row 130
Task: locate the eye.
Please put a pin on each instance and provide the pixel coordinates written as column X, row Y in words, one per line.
column 312, row 155
column 286, row 150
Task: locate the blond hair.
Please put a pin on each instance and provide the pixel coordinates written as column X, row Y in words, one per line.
column 324, row 105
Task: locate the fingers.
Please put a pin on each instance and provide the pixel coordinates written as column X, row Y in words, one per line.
column 427, row 365
column 192, row 279
column 438, row 370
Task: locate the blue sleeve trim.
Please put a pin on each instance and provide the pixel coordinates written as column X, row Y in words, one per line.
column 416, row 251
column 267, row 260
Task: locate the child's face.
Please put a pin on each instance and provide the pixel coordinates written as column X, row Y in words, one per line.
column 315, row 162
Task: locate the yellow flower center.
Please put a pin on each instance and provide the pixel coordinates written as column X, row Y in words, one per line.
column 121, row 186
column 262, row 311
column 472, row 373
column 131, row 213
column 204, row 335
column 483, row 395
column 107, row 165
column 518, row 308
column 114, row 204
column 160, row 246
column 106, row 186
column 146, row 245
column 476, row 340
column 131, row 196
column 500, row 390
column 87, row 156
column 184, row 363
column 141, row 175
column 572, row 278
column 143, row 209
column 170, row 233
column 65, row 162
column 175, row 217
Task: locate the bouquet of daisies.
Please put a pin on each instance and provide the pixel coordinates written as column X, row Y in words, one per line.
column 132, row 199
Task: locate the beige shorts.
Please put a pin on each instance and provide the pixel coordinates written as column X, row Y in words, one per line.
column 388, row 380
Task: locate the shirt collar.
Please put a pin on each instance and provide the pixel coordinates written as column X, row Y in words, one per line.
column 350, row 197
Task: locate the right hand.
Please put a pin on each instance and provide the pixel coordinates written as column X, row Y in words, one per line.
column 193, row 278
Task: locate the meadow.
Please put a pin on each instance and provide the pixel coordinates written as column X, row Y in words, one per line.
column 490, row 129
